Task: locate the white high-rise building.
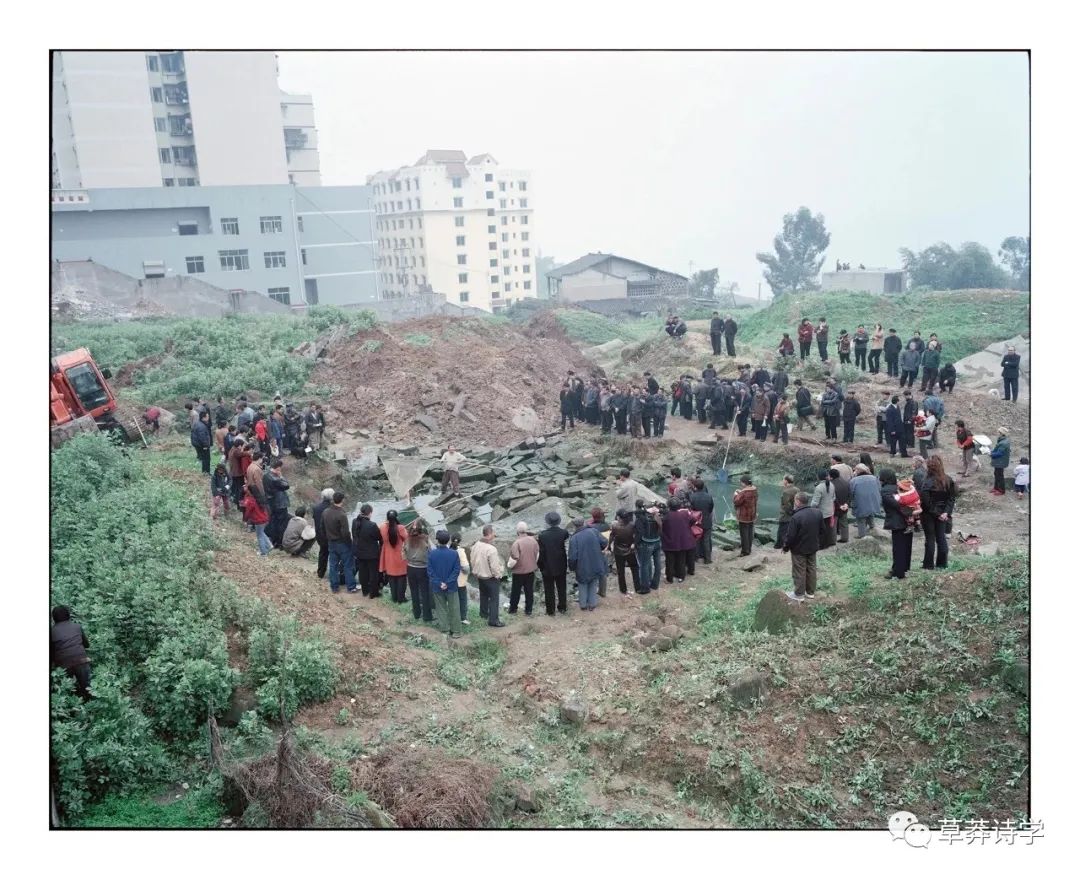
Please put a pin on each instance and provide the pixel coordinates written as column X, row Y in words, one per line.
column 170, row 118
column 456, row 226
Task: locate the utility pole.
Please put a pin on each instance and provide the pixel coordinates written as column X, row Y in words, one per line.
column 759, row 293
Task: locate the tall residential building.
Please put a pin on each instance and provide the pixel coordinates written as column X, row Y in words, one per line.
column 169, row 118
column 455, row 226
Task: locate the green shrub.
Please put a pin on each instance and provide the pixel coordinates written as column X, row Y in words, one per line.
column 278, row 657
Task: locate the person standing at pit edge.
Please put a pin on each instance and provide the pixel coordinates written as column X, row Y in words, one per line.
column 999, row 460
column 1010, row 374
column 803, row 539
column 805, row 332
column 488, row 568
column 745, row 501
column 524, row 554
column 730, row 329
column 552, row 562
column 336, row 522
column 788, row 491
column 443, row 570
column 821, row 333
column 716, row 333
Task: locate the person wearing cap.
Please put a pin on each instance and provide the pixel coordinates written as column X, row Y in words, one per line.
column 586, row 560
column 999, row 460
column 524, row 554
column 299, row 534
column 1010, row 373
column 865, row 490
column 67, row 649
column 443, row 570
column 320, row 531
column 552, row 562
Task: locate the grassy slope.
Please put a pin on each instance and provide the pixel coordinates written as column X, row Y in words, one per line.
column 965, row 320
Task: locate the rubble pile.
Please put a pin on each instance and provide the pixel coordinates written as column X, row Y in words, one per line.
column 457, row 380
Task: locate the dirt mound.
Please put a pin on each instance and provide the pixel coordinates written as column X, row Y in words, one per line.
column 449, row 379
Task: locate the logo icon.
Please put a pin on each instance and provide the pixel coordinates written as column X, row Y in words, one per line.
column 906, row 826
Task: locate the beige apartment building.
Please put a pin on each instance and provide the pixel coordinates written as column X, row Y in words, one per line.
column 455, row 226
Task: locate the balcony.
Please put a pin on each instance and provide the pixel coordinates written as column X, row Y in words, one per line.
column 176, row 95
column 295, row 139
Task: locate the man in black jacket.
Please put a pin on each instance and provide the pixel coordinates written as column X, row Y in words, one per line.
column 1010, row 374
column 647, row 542
column 804, row 406
column 911, row 409
column 276, row 488
column 718, row 405
column 760, row 377
column 701, row 500
column 716, row 332
column 891, row 348
column 803, row 539
column 780, row 380
column 336, row 523
column 730, row 329
column 67, row 649
column 367, row 547
column 320, row 531
column 894, row 428
column 851, row 411
column 202, row 440
column 552, row 562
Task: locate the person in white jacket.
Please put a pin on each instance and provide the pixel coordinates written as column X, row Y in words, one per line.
column 489, row 569
column 463, row 578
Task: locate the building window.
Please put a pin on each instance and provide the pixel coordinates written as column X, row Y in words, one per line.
column 152, row 62
column 528, row 285
column 159, row 123
column 274, row 259
column 416, row 183
column 183, row 155
column 502, row 186
column 461, row 259
column 525, row 218
column 491, row 212
column 459, row 202
column 176, row 93
column 188, row 229
column 156, row 95
column 493, row 263
column 491, row 230
column 460, row 241
column 195, row 265
column 489, row 194
column 455, row 182
column 168, row 181
column 269, row 224
column 524, row 203
column 463, row 296
column 494, row 279
column 506, row 270
column 299, row 223
column 505, row 221
column 303, row 256
column 502, row 204
column 419, row 222
column 506, row 287
column 463, row 278
column 524, row 236
column 459, row 221
column 311, row 291
column 526, row 268
column 525, row 252
column 421, row 242
column 410, row 223
column 505, row 237
column 279, row 294
column 421, row 262
column 233, row 261
column 230, row 226
column 522, row 185
column 172, row 63
column 164, row 155
column 488, row 178
column 493, row 246
column 506, row 253
column 186, row 181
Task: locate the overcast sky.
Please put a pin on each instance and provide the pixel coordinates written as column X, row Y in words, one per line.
column 669, row 158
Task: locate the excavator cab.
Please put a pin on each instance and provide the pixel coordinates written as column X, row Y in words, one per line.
column 80, row 398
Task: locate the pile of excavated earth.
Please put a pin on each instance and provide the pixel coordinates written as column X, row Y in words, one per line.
column 449, row 380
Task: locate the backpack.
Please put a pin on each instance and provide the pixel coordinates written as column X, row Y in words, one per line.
column 696, row 529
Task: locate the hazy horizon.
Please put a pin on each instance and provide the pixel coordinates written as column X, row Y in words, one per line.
column 673, row 157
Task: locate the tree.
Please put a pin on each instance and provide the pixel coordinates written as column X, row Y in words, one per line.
column 800, row 251
column 940, row 267
column 703, row 284
column 1015, row 253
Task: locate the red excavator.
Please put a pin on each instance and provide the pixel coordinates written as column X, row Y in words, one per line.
column 79, row 397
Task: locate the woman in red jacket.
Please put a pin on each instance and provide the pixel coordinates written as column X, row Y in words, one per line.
column 257, row 516
column 392, row 563
column 787, row 347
